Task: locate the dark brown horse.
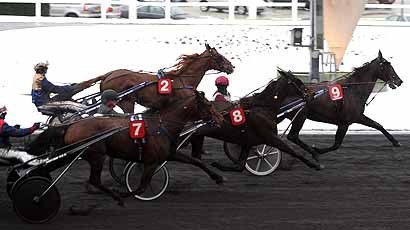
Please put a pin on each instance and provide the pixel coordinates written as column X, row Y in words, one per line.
column 357, row 88
column 162, row 130
column 188, row 74
column 260, row 126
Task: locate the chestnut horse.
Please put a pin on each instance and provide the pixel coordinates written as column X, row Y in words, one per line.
column 357, row 88
column 188, row 74
column 162, row 130
column 260, row 125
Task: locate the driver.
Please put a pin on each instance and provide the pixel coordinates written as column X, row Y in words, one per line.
column 41, row 89
column 109, row 99
column 7, row 131
column 222, row 94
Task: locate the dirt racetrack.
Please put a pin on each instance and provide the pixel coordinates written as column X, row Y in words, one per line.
column 365, row 185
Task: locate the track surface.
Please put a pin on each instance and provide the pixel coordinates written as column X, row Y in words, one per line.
column 365, row 185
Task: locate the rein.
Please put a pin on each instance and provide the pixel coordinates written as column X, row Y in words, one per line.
column 368, row 103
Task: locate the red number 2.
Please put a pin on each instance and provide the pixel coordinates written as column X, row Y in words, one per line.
column 164, row 86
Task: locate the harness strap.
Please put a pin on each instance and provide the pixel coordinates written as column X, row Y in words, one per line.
column 185, row 87
column 160, row 73
column 368, row 103
column 163, row 130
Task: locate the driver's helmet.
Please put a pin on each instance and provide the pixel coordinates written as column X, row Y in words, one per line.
column 109, row 95
column 222, row 80
column 41, row 66
column 3, row 110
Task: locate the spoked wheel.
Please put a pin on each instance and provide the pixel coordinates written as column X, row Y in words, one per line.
column 117, row 169
column 155, row 189
column 263, row 160
column 13, row 179
column 243, row 10
column 27, row 205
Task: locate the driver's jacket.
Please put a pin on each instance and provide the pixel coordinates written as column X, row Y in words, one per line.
column 7, row 131
column 41, row 89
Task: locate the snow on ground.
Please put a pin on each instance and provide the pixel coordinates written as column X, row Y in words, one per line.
column 78, row 53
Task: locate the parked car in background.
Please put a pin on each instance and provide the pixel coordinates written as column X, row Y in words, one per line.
column 83, row 10
column 154, row 12
column 238, row 9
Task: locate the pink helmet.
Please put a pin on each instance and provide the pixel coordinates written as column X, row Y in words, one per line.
column 222, row 80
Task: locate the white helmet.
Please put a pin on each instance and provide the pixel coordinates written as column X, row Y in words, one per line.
column 3, row 110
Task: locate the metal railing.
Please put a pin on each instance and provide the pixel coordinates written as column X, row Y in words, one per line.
column 167, row 4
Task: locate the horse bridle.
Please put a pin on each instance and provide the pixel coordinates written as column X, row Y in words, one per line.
column 382, row 71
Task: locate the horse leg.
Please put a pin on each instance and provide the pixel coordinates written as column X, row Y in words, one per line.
column 95, row 178
column 340, row 135
column 293, row 136
column 239, row 167
column 127, row 105
column 373, row 124
column 197, row 143
column 149, row 170
column 198, row 163
column 277, row 142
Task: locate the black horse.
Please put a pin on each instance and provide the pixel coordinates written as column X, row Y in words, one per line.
column 260, row 126
column 357, row 87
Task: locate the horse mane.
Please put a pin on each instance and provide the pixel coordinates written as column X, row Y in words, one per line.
column 183, row 62
column 262, row 98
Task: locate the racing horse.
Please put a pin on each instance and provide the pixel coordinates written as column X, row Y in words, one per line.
column 162, row 129
column 357, row 87
column 186, row 76
column 260, row 125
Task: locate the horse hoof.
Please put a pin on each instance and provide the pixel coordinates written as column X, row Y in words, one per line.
column 320, row 167
column 121, row 203
column 80, row 211
column 221, row 180
column 397, row 144
column 90, row 189
column 215, row 164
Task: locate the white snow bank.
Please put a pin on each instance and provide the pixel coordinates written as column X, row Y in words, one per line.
column 78, row 53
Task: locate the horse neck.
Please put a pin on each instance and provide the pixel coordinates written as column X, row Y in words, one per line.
column 266, row 99
column 363, row 81
column 193, row 73
column 174, row 120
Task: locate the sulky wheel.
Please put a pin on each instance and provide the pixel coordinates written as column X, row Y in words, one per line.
column 263, row 160
column 13, row 179
column 27, row 204
column 155, row 189
column 117, row 169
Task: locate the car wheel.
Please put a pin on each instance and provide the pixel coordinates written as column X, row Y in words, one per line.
column 72, row 15
column 204, row 8
column 242, row 10
column 386, row 1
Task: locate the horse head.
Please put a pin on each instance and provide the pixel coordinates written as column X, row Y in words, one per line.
column 291, row 86
column 387, row 72
column 218, row 61
column 203, row 108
